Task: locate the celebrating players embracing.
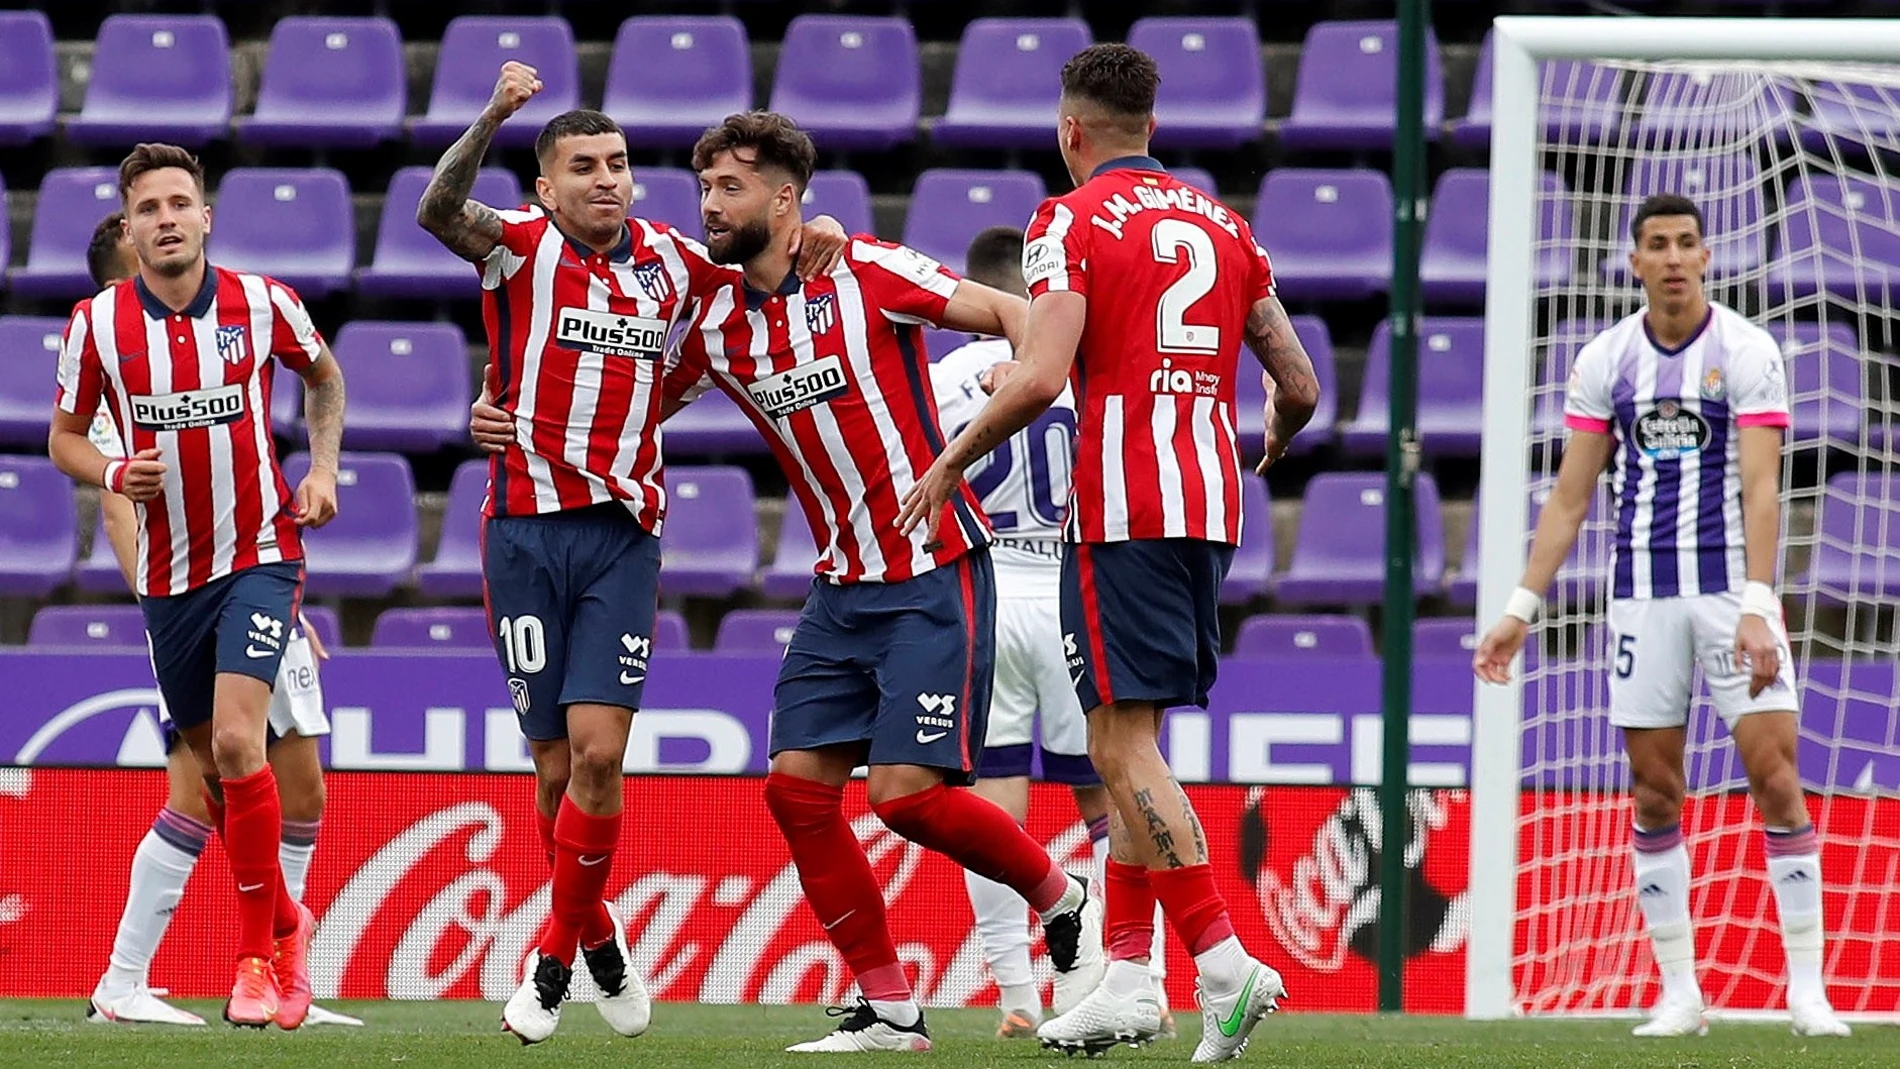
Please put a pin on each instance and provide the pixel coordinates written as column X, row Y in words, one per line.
column 1685, row 401
column 1158, row 285
column 181, row 355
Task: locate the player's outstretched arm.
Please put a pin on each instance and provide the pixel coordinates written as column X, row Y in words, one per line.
column 1585, row 454
column 1293, row 388
column 467, row 227
column 1755, row 642
column 323, row 416
column 979, row 309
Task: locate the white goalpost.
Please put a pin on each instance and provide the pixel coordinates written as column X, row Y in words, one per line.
column 1786, row 132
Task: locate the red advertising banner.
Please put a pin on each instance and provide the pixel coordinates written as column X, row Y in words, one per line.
column 433, row 885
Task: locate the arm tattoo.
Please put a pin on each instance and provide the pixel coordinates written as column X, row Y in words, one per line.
column 323, row 416
column 468, row 228
column 1270, row 335
column 1158, row 834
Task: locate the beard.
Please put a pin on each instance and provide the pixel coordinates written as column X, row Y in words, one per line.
column 172, row 265
column 741, row 243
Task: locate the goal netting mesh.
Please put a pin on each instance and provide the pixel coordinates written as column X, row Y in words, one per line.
column 1796, row 168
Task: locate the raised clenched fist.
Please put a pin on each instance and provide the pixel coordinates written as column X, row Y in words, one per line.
column 516, row 86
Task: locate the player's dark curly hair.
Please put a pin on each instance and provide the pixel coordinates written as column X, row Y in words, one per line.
column 581, row 122
column 102, row 253
column 1115, row 78
column 775, row 141
column 1663, row 204
column 156, row 156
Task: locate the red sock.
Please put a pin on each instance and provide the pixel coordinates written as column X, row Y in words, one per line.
column 252, row 820
column 1193, row 905
column 838, row 882
column 1128, row 920
column 583, row 858
column 975, row 832
column 545, row 825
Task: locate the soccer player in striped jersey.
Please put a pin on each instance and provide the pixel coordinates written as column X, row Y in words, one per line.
column 181, row 355
column 1686, row 402
column 578, row 299
column 891, row 662
column 1146, row 288
column 169, row 852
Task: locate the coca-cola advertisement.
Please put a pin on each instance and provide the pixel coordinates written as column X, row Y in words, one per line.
column 433, row 886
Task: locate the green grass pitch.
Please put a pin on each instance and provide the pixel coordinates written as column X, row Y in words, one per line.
column 45, row 1034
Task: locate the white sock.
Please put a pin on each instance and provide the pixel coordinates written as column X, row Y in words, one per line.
column 903, row 1014
column 1662, row 892
column 1127, row 978
column 160, row 866
column 1072, row 898
column 298, row 846
column 1158, row 956
column 1796, row 878
column 1020, row 998
column 1002, row 921
column 1098, row 849
column 1224, row 966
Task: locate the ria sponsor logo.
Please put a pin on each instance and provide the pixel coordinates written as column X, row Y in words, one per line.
column 800, row 388
column 1170, row 379
column 610, row 334
column 189, row 409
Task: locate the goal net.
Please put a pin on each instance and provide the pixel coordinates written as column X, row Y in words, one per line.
column 1795, row 164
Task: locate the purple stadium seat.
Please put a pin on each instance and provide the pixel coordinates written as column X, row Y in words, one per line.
column 1339, row 552
column 938, row 343
column 1692, row 109
column 1347, row 93
column 711, row 548
column 1581, row 576
column 668, row 195
column 1567, row 338
column 157, row 78
column 1855, row 113
column 39, row 531
column 29, row 357
column 672, row 76
column 330, row 82
column 409, row 385
column 852, row 82
column 1857, row 557
column 712, row 425
column 369, row 549
column 324, row 624
column 755, row 631
column 1824, row 381
column 1444, row 638
column 409, row 261
column 101, row 626
column 948, row 207
column 98, row 572
column 1450, row 385
column 1726, row 187
column 1329, row 232
column 1451, row 266
column 1840, row 235
column 790, row 573
column 1008, row 76
column 844, row 196
column 1196, row 177
column 1591, row 98
column 473, row 49
column 72, row 200
column 1325, row 635
column 1251, row 574
column 295, row 225
column 1213, row 83
column 458, row 627
column 1250, row 393
column 669, row 631
column 456, row 571
column 29, row 78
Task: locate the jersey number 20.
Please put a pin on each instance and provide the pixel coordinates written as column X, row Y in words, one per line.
column 1173, row 333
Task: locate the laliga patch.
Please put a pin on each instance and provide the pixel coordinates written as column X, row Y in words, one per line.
column 189, row 409
column 803, row 387
column 610, row 334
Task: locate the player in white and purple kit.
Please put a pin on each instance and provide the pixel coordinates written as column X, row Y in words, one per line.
column 1686, row 402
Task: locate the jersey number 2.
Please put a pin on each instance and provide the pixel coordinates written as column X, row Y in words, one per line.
column 1173, row 333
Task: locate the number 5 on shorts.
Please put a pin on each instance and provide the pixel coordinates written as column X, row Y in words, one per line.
column 1625, row 656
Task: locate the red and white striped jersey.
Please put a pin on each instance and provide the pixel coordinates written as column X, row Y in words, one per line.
column 196, row 384
column 576, row 339
column 1170, row 275
column 834, row 374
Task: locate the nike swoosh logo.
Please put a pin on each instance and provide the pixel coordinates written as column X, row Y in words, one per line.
column 248, row 888
column 590, row 862
column 253, row 652
column 928, row 737
column 840, row 920
column 628, row 681
column 1230, row 1025
column 1075, row 680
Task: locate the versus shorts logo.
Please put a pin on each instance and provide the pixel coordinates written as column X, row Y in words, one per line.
column 610, row 333
column 231, row 344
column 188, row 409
column 800, row 388
column 1667, row 431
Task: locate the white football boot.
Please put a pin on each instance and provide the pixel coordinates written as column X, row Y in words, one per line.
column 1074, row 939
column 1814, row 1017
column 1228, row 1019
column 533, row 1012
column 136, row 1005
column 624, row 1003
column 319, row 1015
column 1680, row 1016
column 864, row 1030
column 1109, row 1016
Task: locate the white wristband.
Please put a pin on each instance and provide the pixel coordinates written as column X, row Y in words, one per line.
column 1758, row 599
column 1523, row 604
column 113, row 478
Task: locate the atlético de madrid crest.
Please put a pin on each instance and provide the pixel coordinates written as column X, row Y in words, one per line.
column 821, row 313
column 231, row 344
column 651, row 278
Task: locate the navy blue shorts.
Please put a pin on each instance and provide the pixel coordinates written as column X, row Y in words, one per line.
column 571, row 598
column 1006, row 762
column 905, row 667
column 1143, row 619
column 238, row 623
